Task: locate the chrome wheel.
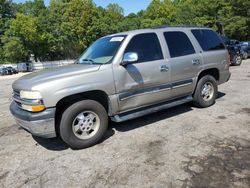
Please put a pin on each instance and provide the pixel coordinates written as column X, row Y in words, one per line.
column 207, row 91
column 85, row 125
column 238, row 60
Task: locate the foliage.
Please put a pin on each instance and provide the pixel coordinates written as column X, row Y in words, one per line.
column 158, row 13
column 14, row 50
column 23, row 33
column 67, row 27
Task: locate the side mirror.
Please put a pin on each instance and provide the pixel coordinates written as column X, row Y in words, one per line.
column 129, row 58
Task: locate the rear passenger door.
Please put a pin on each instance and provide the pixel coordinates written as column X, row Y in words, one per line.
column 184, row 62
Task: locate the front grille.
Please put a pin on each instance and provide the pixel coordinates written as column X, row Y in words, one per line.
column 16, row 98
column 16, row 94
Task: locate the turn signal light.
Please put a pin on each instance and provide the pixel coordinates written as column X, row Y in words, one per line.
column 37, row 108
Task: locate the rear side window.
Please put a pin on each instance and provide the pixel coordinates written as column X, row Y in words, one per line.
column 147, row 47
column 208, row 39
column 178, row 44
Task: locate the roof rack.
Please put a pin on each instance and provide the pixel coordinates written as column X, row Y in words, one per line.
column 170, row 26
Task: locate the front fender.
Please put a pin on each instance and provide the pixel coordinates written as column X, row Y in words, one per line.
column 55, row 90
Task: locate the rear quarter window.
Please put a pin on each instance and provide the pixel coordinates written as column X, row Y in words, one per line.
column 208, row 39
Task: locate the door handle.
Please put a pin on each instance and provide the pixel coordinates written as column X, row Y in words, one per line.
column 164, row 68
column 196, row 62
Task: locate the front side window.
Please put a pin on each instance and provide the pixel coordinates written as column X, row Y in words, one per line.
column 208, row 39
column 178, row 44
column 102, row 51
column 147, row 47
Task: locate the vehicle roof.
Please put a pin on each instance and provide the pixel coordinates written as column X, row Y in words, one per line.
column 159, row 28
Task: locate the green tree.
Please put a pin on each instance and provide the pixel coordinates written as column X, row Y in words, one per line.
column 15, row 51
column 33, row 8
column 66, row 27
column 113, row 17
column 53, row 39
column 6, row 13
column 100, row 25
column 158, row 13
column 22, row 32
column 230, row 16
column 130, row 22
column 77, row 19
column 237, row 20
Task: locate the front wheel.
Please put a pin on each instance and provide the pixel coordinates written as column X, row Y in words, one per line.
column 237, row 60
column 206, row 92
column 244, row 56
column 83, row 124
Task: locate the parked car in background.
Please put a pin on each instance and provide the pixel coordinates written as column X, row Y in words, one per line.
column 234, row 50
column 3, row 71
column 9, row 71
column 12, row 70
column 245, row 49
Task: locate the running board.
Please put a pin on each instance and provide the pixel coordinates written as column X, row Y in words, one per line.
column 151, row 109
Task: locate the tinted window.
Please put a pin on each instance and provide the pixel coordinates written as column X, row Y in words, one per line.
column 178, row 44
column 208, row 39
column 147, row 47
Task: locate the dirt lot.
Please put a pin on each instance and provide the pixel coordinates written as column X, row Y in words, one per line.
column 180, row 147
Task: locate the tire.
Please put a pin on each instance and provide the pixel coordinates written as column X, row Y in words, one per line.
column 244, row 56
column 200, row 98
column 237, row 60
column 76, row 121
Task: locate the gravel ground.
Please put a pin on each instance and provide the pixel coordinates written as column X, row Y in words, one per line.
column 179, row 147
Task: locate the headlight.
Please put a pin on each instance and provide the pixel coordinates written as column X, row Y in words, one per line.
column 31, row 101
column 30, row 95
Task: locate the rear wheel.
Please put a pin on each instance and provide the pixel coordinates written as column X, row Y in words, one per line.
column 206, row 92
column 83, row 124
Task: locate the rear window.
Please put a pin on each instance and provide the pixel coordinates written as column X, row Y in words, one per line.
column 178, row 44
column 208, row 39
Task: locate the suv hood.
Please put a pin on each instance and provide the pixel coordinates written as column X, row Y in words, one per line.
column 30, row 80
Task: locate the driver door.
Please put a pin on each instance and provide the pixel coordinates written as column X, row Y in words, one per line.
column 146, row 81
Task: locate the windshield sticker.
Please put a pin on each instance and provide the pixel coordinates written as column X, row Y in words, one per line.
column 116, row 39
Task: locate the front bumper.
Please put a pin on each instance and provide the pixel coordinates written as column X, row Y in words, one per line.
column 40, row 124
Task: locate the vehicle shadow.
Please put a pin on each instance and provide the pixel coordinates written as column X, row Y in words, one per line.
column 151, row 118
column 56, row 144
column 220, row 95
column 154, row 117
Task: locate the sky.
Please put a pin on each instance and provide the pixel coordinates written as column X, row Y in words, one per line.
column 129, row 6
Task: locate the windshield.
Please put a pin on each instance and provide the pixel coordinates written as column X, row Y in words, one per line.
column 102, row 51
